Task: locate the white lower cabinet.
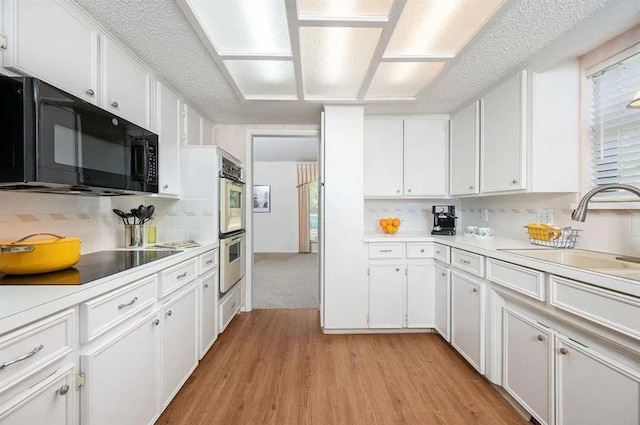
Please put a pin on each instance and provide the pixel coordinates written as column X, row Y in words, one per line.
column 208, row 287
column 179, row 341
column 528, row 364
column 592, row 389
column 49, row 402
column 468, row 319
column 386, row 295
column 442, row 297
column 121, row 377
column 420, row 296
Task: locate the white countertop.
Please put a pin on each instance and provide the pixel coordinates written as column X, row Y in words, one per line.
column 493, row 248
column 20, row 304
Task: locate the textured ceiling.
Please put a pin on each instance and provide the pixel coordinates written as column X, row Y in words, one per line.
column 158, row 32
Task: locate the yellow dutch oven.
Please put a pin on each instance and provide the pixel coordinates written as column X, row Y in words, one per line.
column 39, row 256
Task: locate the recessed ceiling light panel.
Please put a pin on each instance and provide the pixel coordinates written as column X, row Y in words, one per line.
column 335, row 60
column 246, row 27
column 435, row 27
column 402, row 79
column 259, row 79
column 344, row 9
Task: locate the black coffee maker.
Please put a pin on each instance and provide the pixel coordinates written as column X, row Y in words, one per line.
column 444, row 220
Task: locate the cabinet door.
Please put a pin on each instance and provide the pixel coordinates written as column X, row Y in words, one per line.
column 207, row 133
column 179, row 342
column 528, row 364
column 122, row 377
column 208, row 311
column 49, row 402
column 592, row 389
column 425, row 157
column 383, row 155
column 503, row 141
column 386, row 295
column 465, row 150
column 420, row 296
column 467, row 319
column 442, row 296
column 63, row 50
column 193, row 135
column 169, row 133
column 125, row 84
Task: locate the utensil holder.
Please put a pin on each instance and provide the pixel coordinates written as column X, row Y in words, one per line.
column 133, row 235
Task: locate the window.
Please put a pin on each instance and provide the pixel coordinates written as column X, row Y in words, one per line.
column 615, row 129
column 313, row 210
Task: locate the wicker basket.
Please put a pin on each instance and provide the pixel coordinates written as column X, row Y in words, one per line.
column 565, row 237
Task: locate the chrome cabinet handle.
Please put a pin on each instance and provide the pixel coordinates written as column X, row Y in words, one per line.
column 471, row 187
column 209, row 262
column 514, row 181
column 540, row 338
column 233, row 305
column 114, row 104
column 398, row 191
column 206, row 285
column 409, row 190
column 443, row 274
column 90, row 92
column 564, row 351
column 121, row 306
column 63, row 390
column 437, row 252
column 156, row 322
column 384, row 250
column 465, row 261
column 475, row 290
column 182, row 276
column 22, row 358
column 422, row 250
column 169, row 313
column 397, row 269
column 165, row 187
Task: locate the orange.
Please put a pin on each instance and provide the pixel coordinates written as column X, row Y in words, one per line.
column 389, row 228
column 383, row 223
column 396, row 222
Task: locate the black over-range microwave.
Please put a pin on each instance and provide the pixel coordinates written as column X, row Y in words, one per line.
column 52, row 141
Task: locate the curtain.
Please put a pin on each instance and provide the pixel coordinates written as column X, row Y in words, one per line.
column 306, row 175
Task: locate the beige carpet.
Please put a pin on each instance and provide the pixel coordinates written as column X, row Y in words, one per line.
column 285, row 281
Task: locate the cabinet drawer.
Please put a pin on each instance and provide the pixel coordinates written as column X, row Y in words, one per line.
column 521, row 279
column 468, row 261
column 385, row 250
column 101, row 314
column 442, row 253
column 29, row 349
column 616, row 311
column 208, row 261
column 229, row 307
column 419, row 250
column 177, row 276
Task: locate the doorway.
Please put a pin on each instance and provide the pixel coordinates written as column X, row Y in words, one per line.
column 283, row 192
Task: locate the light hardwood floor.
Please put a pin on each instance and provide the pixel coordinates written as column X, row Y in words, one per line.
column 276, row 367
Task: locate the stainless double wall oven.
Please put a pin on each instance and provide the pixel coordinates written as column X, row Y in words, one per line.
column 232, row 224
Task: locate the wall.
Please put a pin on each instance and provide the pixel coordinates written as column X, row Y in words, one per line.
column 277, row 231
column 615, row 231
column 233, row 138
column 416, row 215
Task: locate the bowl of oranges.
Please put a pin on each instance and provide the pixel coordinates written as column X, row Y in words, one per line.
column 389, row 225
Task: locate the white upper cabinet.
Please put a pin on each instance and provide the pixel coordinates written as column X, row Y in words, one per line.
column 207, row 133
column 405, row 157
column 170, row 135
column 62, row 51
column 193, row 131
column 425, row 153
column 465, row 150
column 126, row 84
column 383, row 156
column 503, row 142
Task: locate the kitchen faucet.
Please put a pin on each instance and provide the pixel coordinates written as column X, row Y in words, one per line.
column 580, row 213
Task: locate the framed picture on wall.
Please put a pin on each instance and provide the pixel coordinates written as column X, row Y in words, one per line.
column 262, row 199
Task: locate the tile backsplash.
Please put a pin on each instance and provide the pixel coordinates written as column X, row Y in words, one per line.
column 92, row 219
column 416, row 215
column 615, row 231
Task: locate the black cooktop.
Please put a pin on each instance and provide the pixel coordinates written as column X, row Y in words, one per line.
column 91, row 267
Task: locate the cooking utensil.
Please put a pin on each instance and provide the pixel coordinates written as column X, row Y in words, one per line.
column 122, row 215
column 39, row 256
column 150, row 210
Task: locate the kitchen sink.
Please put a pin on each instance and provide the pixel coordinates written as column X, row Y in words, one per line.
column 601, row 262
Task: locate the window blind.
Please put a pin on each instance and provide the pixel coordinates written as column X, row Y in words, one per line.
column 615, row 129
